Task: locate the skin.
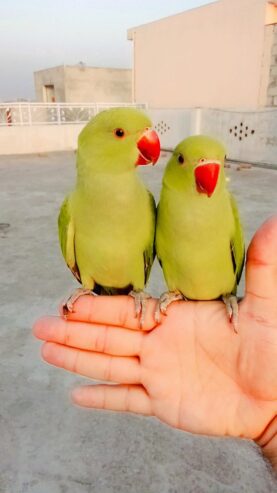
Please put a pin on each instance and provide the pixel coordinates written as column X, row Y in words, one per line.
column 192, row 371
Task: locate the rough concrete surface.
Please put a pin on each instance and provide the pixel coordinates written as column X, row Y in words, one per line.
column 46, row 444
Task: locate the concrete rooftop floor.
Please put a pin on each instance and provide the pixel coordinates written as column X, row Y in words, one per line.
column 50, row 446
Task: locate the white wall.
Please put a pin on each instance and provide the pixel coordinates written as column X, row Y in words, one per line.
column 209, row 56
column 98, row 84
column 259, row 146
column 268, row 60
column 74, row 84
column 40, row 138
column 173, row 126
column 272, row 82
column 54, row 76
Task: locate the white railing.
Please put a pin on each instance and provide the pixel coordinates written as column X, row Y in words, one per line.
column 54, row 113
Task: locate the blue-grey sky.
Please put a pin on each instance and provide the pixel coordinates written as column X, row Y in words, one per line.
column 36, row 34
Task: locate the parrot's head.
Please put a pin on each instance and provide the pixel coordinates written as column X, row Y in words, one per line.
column 197, row 165
column 116, row 140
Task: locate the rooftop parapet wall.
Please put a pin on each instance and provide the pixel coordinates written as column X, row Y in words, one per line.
column 249, row 136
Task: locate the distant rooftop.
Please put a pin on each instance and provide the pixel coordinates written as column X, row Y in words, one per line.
column 81, row 66
column 271, row 15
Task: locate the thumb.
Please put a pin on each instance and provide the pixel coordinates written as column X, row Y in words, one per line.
column 261, row 273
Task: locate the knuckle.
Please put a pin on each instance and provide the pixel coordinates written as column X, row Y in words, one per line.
column 76, row 361
column 123, row 316
column 67, row 334
column 100, row 344
column 108, row 369
column 128, row 398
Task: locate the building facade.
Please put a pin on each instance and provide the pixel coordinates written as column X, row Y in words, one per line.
column 79, row 83
column 221, row 55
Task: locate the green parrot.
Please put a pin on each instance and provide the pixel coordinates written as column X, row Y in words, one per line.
column 107, row 223
column 199, row 239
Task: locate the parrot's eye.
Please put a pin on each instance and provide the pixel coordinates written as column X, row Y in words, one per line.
column 181, row 159
column 119, row 132
column 202, row 160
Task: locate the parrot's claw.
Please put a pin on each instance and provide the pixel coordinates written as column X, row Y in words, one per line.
column 164, row 301
column 232, row 309
column 68, row 305
column 140, row 298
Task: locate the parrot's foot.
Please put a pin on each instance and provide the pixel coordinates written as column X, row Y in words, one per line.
column 68, row 305
column 232, row 309
column 140, row 298
column 164, row 301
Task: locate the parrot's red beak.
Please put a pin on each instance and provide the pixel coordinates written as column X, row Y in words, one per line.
column 206, row 176
column 149, row 148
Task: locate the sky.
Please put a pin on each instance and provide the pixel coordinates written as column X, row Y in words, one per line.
column 37, row 34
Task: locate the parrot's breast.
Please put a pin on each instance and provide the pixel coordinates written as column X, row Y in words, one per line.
column 111, row 236
column 193, row 244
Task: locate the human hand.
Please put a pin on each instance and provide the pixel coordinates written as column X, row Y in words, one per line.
column 191, row 371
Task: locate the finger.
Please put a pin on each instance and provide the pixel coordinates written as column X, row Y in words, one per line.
column 113, row 310
column 90, row 337
column 132, row 398
column 261, row 271
column 93, row 365
column 269, row 433
column 268, row 442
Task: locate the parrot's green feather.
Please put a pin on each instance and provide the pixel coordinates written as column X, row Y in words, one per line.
column 199, row 239
column 107, row 224
column 149, row 252
column 148, row 259
column 67, row 238
column 237, row 244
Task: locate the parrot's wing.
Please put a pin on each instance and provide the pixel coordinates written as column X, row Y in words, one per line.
column 67, row 238
column 237, row 243
column 149, row 252
column 157, row 213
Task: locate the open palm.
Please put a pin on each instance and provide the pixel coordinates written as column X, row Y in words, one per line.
column 191, row 371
